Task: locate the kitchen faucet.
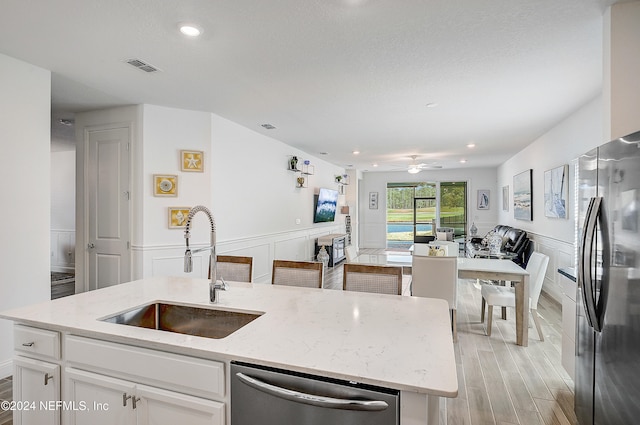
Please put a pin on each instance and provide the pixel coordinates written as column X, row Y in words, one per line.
column 188, row 261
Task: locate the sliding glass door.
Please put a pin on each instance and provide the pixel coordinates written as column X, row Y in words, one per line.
column 416, row 209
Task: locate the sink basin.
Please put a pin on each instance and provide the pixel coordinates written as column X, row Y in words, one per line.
column 185, row 319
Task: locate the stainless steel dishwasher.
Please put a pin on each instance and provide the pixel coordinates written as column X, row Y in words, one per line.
column 268, row 396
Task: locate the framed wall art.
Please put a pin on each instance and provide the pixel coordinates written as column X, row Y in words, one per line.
column 373, row 200
column 505, row 198
column 178, row 217
column 522, row 200
column 192, row 161
column 556, row 192
column 483, row 199
column 165, row 185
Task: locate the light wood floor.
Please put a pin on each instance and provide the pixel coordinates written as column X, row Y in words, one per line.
column 5, row 394
column 499, row 382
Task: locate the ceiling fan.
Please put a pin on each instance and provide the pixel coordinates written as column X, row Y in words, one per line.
column 415, row 168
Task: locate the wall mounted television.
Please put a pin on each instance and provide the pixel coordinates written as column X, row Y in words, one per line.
column 325, row 205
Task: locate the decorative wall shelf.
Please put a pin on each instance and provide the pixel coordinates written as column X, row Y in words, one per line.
column 342, row 179
column 303, row 168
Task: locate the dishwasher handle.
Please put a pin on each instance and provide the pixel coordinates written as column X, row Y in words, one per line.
column 314, row 400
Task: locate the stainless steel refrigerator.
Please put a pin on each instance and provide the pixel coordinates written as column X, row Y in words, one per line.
column 607, row 376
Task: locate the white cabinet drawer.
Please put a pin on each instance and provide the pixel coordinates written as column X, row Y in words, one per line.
column 189, row 375
column 37, row 342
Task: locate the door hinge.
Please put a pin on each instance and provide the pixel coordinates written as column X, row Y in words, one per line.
column 128, row 245
column 127, row 194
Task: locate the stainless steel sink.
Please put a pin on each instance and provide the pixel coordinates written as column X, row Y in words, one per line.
column 185, row 319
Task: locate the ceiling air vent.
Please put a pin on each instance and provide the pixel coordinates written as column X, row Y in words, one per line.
column 268, row 126
column 142, row 65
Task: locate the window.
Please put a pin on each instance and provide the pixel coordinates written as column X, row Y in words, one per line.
column 415, row 209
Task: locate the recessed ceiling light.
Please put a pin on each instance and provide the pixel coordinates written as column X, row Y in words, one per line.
column 355, row 152
column 471, row 145
column 431, row 105
column 463, row 161
column 375, row 165
column 190, row 30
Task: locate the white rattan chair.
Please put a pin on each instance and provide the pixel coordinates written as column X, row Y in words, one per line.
column 235, row 268
column 297, row 273
column 370, row 278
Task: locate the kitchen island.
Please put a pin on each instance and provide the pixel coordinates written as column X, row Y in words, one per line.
column 402, row 343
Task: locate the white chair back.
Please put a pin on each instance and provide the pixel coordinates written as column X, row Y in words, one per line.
column 435, row 277
column 350, row 252
column 537, row 268
column 445, row 233
column 421, row 249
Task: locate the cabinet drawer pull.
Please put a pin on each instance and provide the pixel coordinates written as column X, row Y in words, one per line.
column 135, row 400
column 125, row 397
column 28, row 344
column 47, row 378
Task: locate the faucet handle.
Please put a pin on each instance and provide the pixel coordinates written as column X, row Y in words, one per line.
column 223, row 286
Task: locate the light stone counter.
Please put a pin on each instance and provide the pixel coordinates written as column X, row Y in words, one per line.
column 398, row 342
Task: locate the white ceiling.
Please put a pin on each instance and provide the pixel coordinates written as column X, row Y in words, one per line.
column 331, row 75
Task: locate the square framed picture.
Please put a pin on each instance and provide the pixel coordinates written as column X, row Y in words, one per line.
column 192, row 161
column 178, row 217
column 483, row 199
column 165, row 185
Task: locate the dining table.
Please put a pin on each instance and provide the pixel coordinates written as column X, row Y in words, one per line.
column 477, row 268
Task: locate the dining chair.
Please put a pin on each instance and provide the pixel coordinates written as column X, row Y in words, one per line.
column 437, row 277
column 351, row 253
column 370, row 278
column 307, row 274
column 235, row 268
column 505, row 296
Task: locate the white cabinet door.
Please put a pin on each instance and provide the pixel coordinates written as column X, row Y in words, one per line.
column 99, row 399
column 37, row 388
column 162, row 407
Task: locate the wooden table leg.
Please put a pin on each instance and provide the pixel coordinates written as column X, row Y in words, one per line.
column 522, row 311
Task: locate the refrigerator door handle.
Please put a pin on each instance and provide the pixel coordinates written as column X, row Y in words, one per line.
column 585, row 277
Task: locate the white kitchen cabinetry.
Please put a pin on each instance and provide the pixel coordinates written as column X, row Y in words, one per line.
column 104, row 400
column 36, row 376
column 36, row 386
column 568, row 322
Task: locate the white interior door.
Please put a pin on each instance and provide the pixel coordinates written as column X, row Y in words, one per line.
column 108, row 197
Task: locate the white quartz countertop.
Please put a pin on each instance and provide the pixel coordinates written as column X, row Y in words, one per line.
column 393, row 341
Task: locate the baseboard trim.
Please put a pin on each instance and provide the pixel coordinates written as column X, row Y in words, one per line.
column 6, row 368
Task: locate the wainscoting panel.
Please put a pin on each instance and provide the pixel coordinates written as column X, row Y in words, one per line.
column 167, row 260
column 560, row 254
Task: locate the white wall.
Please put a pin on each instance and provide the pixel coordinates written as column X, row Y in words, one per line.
column 561, row 145
column 25, row 106
column 621, row 70
column 63, row 206
column 373, row 221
